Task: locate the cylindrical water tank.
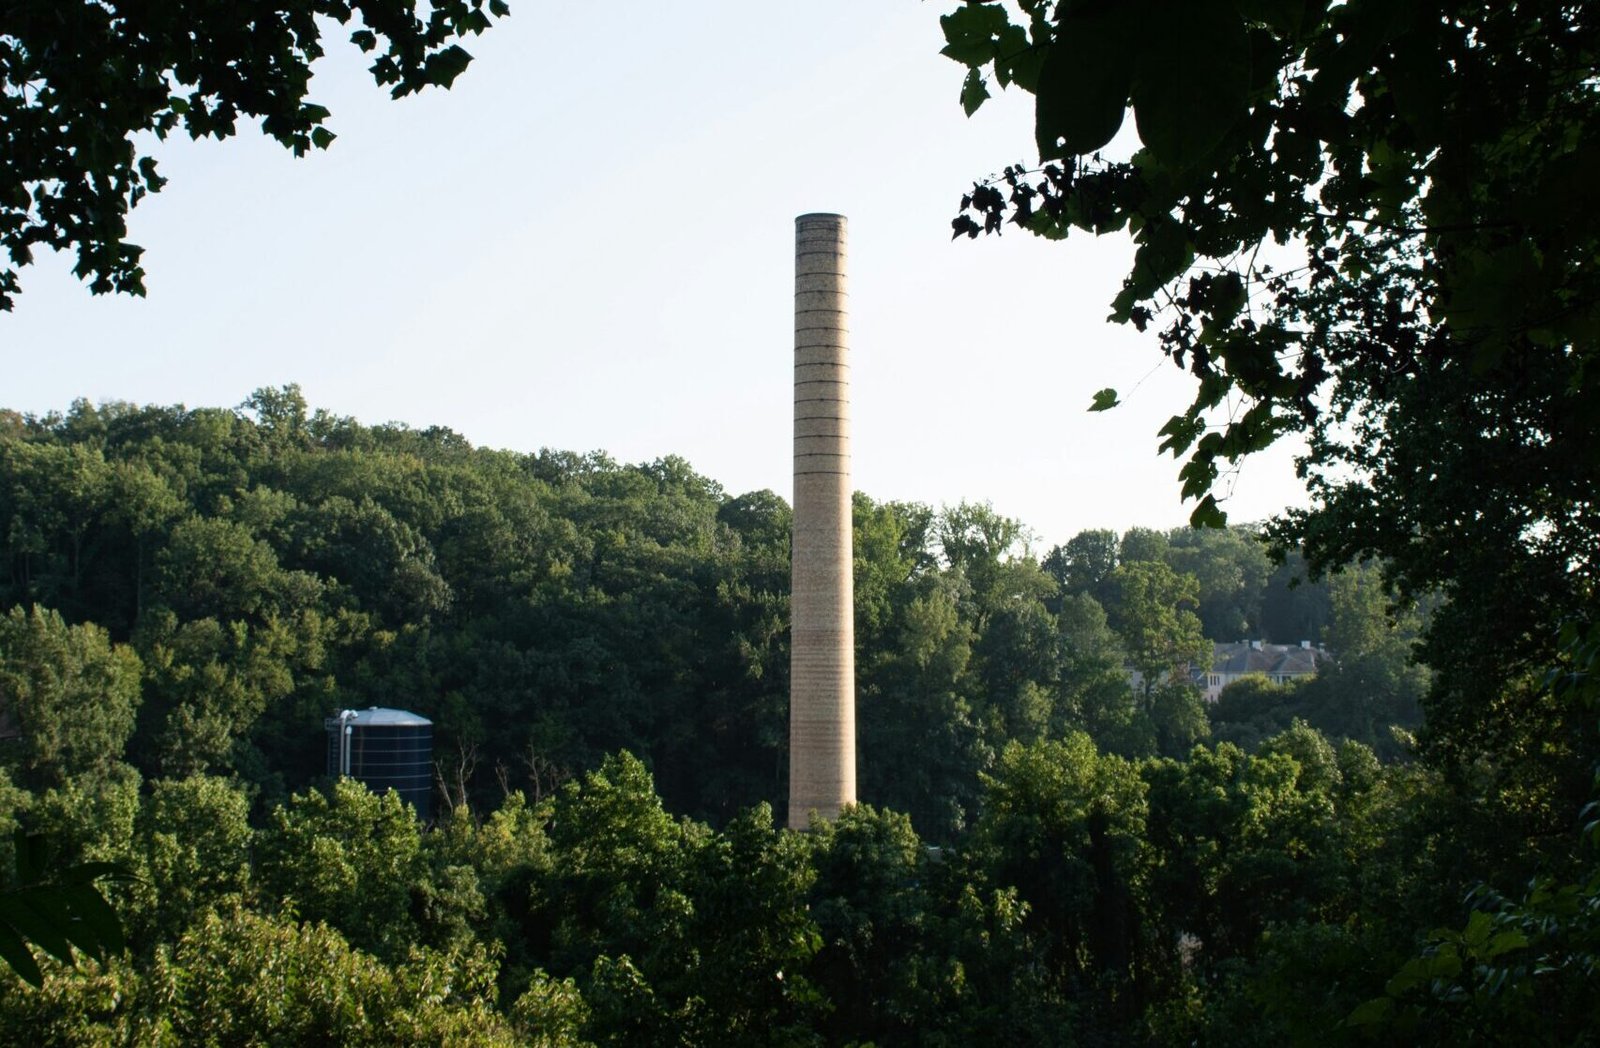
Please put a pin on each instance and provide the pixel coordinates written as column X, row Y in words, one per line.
column 385, row 749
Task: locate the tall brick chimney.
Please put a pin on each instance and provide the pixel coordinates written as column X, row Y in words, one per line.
column 822, row 674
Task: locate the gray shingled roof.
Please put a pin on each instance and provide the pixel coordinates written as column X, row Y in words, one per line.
column 1271, row 659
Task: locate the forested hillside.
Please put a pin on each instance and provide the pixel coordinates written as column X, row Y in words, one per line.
column 250, row 572
column 603, row 650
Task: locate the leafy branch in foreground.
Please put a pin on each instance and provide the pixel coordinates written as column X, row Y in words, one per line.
column 58, row 912
column 1435, row 162
column 79, row 80
column 1374, row 225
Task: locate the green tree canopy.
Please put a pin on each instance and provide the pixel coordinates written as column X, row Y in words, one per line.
column 1152, row 610
column 192, row 844
column 348, row 857
column 1064, row 824
column 1084, row 563
column 67, row 694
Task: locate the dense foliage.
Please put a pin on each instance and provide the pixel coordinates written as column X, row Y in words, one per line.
column 193, row 591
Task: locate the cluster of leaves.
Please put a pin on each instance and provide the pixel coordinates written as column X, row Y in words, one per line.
column 1523, row 966
column 1378, row 138
column 82, row 80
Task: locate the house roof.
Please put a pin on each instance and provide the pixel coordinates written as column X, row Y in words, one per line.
column 1274, row 660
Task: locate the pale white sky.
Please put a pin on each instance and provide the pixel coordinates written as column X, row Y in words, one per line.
column 588, row 243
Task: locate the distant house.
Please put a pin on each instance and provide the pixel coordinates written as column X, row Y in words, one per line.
column 1279, row 663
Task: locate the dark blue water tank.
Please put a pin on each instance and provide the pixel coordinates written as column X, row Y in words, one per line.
column 385, row 750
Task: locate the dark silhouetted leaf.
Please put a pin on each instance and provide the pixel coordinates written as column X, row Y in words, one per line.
column 1193, row 81
column 973, row 92
column 970, row 32
column 1208, row 514
column 15, row 952
column 1105, row 400
column 1083, row 86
